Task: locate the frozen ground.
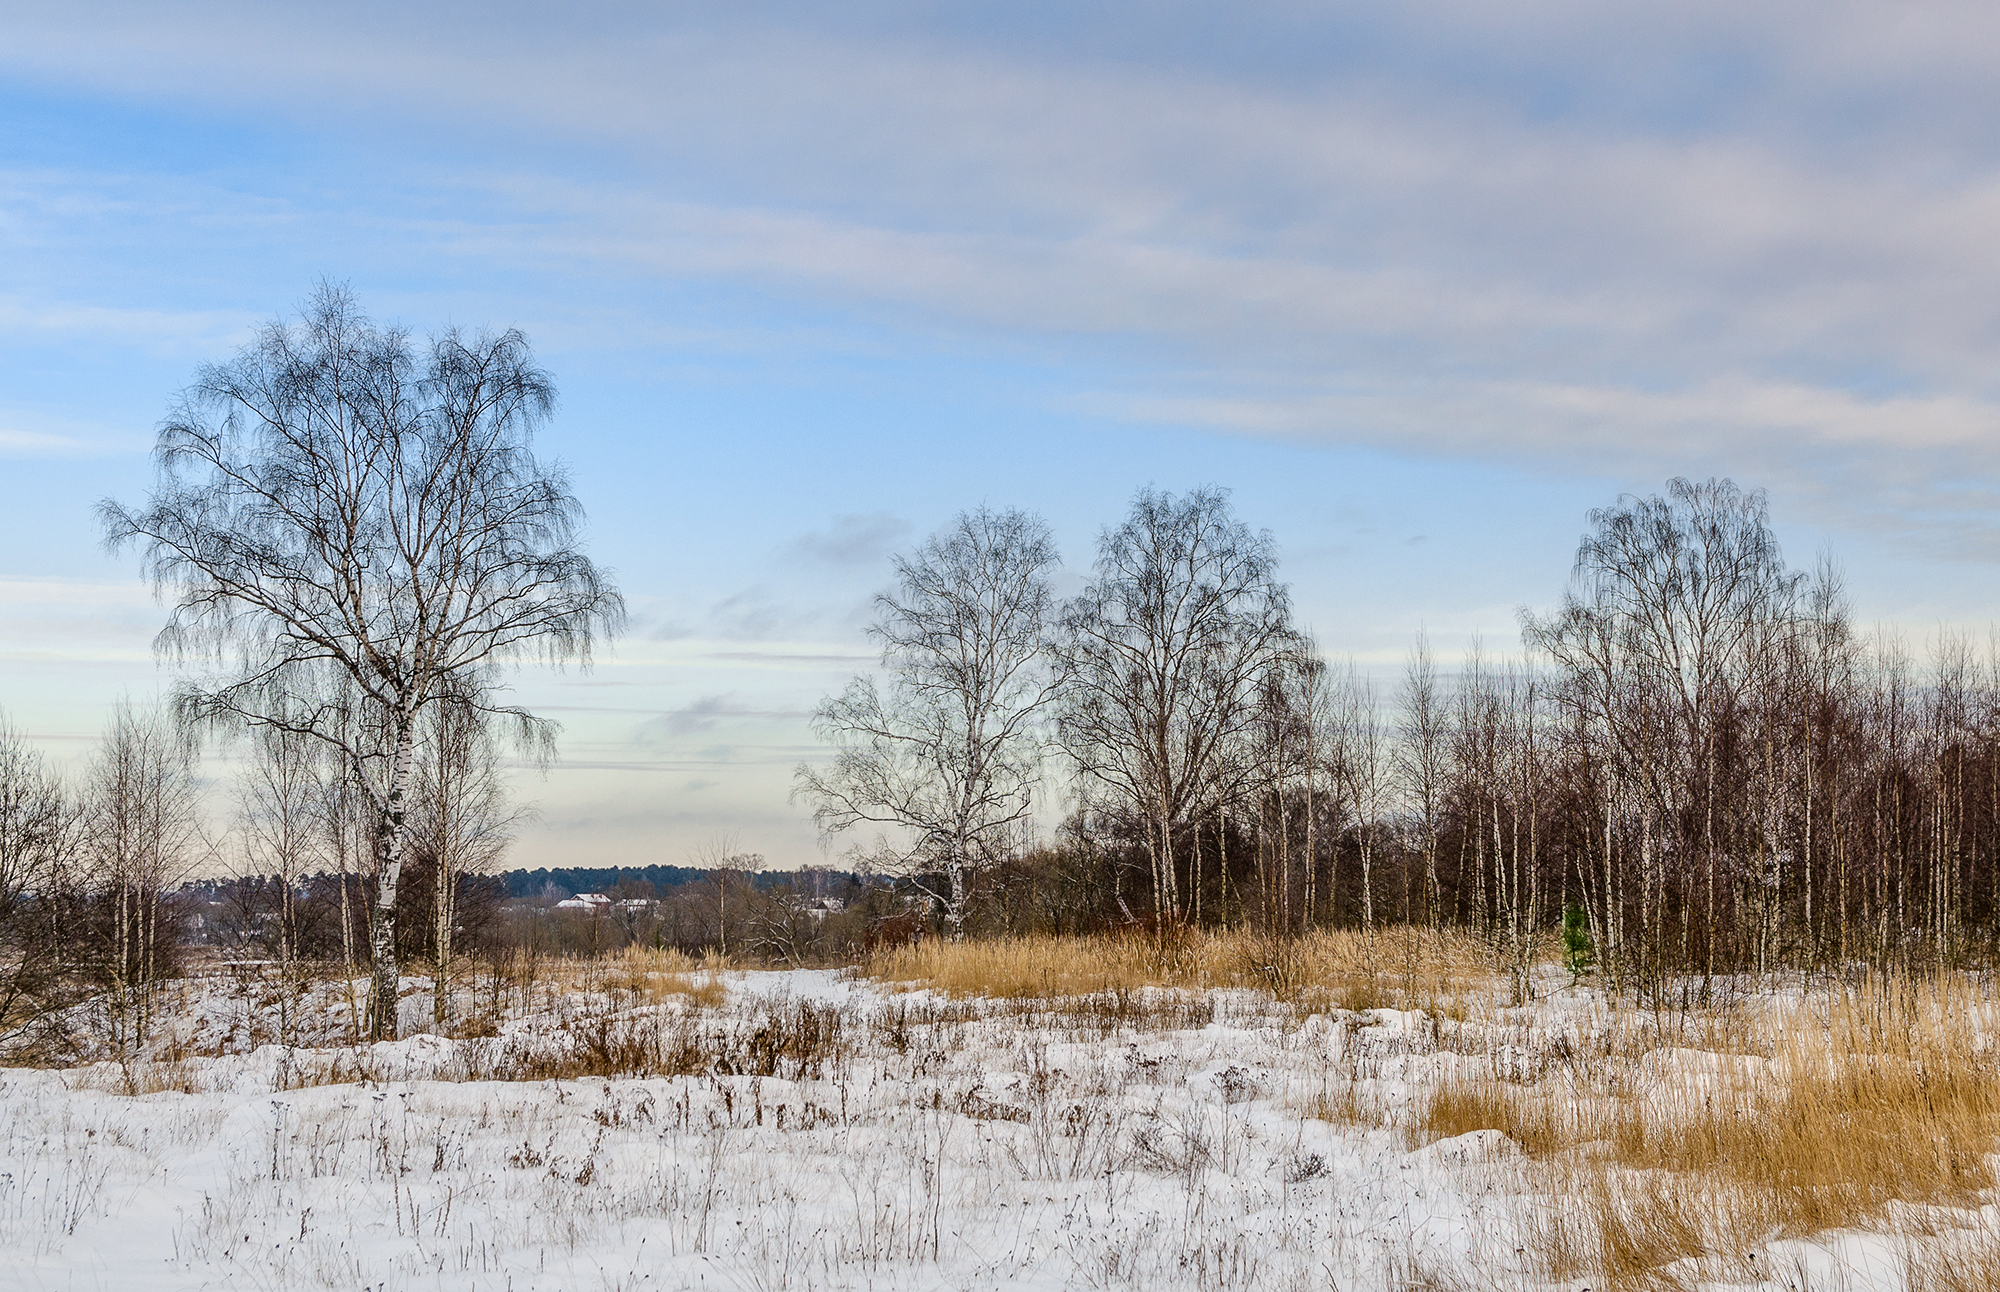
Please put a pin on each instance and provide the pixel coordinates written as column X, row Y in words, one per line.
column 893, row 1141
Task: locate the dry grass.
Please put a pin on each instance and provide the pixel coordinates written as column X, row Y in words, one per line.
column 1344, row 1104
column 1038, row 968
column 1537, row 1121
column 795, row 1040
column 1668, row 1145
column 657, row 975
column 1963, row 1260
column 639, row 972
column 155, row 1076
column 1864, row 1099
column 1399, row 969
column 1646, row 1231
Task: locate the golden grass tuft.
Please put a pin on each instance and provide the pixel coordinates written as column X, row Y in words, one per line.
column 174, row 1074
column 655, row 975
column 1399, row 969
column 1534, row 1122
column 1344, row 1104
column 1033, row 967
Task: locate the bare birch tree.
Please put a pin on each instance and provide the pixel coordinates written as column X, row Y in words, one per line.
column 1160, row 660
column 730, row 869
column 947, row 755
column 143, row 837
column 1656, row 637
column 1363, row 758
column 1420, row 766
column 279, row 829
column 353, row 531
column 464, row 826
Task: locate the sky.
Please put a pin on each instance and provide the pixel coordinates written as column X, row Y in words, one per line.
column 1420, row 284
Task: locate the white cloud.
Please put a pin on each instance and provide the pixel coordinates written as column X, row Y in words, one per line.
column 1669, row 235
column 34, row 444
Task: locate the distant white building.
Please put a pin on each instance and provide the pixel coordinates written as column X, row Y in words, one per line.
column 584, row 902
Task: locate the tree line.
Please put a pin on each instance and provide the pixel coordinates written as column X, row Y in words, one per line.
column 1696, row 764
column 117, row 881
column 1695, row 755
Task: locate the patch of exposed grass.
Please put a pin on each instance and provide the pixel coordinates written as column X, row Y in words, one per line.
column 1402, row 968
column 1532, row 1120
column 656, row 975
column 796, row 1040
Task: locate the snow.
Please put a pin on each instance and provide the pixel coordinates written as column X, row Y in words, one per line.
column 980, row 1146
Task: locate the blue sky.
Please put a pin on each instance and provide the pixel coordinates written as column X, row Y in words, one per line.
column 1421, row 284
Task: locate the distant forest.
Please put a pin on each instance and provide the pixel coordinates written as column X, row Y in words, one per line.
column 568, row 881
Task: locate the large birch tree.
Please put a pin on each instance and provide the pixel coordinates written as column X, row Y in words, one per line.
column 353, row 532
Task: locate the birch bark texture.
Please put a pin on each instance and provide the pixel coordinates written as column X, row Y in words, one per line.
column 947, row 753
column 352, row 532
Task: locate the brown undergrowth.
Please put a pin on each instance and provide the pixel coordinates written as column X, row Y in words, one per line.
column 1401, row 968
column 792, row 1039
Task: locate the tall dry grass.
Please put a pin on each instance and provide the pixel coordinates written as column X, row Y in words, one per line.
column 1963, row 1259
column 654, row 975
column 1403, row 968
column 1866, row 1101
column 526, row 982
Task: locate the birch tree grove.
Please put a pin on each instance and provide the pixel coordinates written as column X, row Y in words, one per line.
column 1695, row 766
column 353, row 531
column 1697, row 751
column 1669, row 626
column 947, row 754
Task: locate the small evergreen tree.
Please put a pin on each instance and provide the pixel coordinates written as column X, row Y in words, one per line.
column 1579, row 954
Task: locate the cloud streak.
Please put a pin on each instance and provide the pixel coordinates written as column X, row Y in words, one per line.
column 1760, row 240
column 852, row 540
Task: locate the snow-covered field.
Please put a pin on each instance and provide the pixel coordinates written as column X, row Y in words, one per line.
column 831, row 1134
